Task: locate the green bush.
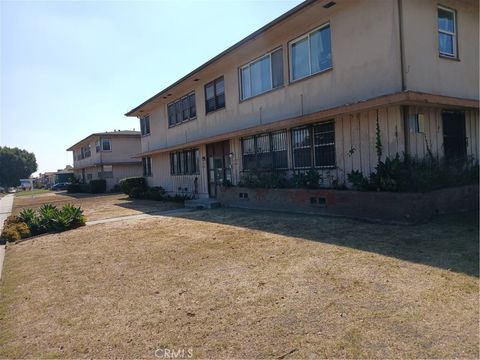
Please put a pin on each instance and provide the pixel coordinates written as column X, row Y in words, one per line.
column 74, row 188
column 98, row 186
column 264, row 179
column 310, row 179
column 358, row 180
column 411, row 175
column 137, row 193
column 49, row 218
column 116, row 188
column 128, row 184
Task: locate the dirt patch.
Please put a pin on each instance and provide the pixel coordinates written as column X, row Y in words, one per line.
column 95, row 207
column 243, row 284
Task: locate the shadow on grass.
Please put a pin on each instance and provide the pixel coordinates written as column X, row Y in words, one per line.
column 449, row 241
column 90, row 195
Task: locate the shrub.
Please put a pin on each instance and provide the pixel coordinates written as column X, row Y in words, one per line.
column 9, row 234
column 128, row 184
column 74, row 188
column 265, row 179
column 408, row 174
column 12, row 219
column 15, row 231
column 98, row 186
column 116, row 188
column 136, row 193
column 358, row 180
column 154, row 193
column 310, row 179
column 49, row 218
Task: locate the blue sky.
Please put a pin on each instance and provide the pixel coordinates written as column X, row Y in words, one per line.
column 70, row 68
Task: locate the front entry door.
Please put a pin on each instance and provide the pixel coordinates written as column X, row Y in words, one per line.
column 219, row 169
column 454, row 139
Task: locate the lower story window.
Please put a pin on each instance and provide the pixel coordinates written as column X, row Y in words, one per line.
column 107, row 171
column 265, row 151
column 147, row 166
column 314, row 146
column 185, row 162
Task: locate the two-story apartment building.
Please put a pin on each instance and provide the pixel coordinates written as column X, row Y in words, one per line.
column 308, row 90
column 107, row 155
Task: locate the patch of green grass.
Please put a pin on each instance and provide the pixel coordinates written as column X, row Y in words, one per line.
column 33, row 192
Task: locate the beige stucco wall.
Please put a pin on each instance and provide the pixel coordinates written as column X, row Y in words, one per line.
column 433, row 135
column 119, row 172
column 425, row 70
column 366, row 63
column 355, row 140
column 161, row 176
column 123, row 150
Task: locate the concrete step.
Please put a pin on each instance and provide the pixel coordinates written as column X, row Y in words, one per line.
column 202, row 204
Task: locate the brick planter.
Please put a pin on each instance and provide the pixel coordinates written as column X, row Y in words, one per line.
column 373, row 206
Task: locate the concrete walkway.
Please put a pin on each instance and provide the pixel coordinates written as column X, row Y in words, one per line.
column 6, row 204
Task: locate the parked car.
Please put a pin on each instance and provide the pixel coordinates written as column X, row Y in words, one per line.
column 2, row 189
column 60, row 186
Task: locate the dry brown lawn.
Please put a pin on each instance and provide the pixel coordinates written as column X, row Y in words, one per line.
column 95, row 207
column 244, row 284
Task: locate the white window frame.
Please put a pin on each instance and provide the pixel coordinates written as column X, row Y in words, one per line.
column 453, row 34
column 269, row 55
column 307, row 36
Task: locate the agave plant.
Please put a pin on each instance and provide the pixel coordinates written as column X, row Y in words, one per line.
column 28, row 216
column 74, row 215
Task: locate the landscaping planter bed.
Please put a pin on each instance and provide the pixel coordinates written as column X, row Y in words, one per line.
column 373, row 206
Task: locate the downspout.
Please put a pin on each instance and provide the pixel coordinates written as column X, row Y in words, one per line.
column 403, row 108
column 101, row 158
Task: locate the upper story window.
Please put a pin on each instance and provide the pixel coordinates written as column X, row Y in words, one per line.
column 447, row 29
column 103, row 145
column 262, row 74
column 183, row 109
column 215, row 95
column 311, row 53
column 145, row 125
column 85, row 151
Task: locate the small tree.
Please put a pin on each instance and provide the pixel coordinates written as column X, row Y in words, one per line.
column 15, row 164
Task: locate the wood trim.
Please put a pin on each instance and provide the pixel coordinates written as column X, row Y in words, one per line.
column 399, row 98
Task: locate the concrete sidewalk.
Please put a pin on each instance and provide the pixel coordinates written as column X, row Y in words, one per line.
column 6, row 204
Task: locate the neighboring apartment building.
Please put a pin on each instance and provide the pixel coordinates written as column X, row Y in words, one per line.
column 107, row 155
column 306, row 91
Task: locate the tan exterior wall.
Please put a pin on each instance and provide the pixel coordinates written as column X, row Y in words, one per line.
column 176, row 184
column 366, row 64
column 433, row 135
column 425, row 70
column 355, row 140
column 123, row 150
column 119, row 172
